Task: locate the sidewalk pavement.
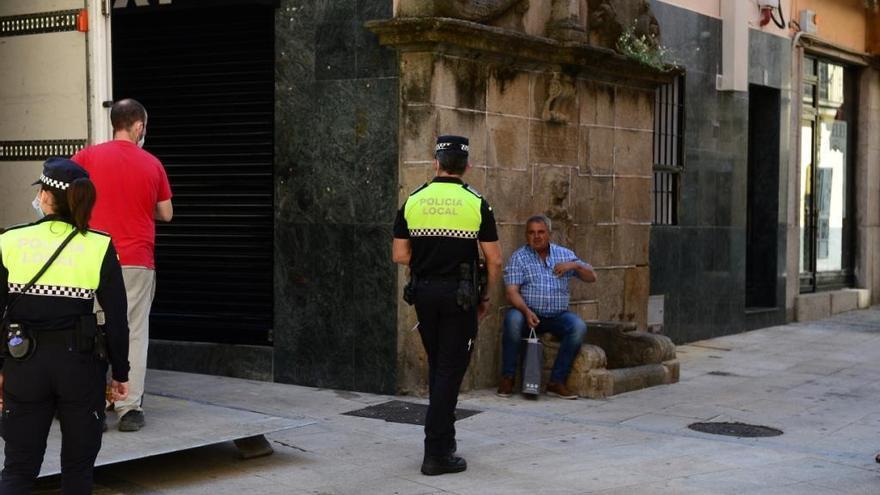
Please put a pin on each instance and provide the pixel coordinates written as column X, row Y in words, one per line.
column 819, row 382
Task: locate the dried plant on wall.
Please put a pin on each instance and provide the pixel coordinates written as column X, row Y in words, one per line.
column 644, row 49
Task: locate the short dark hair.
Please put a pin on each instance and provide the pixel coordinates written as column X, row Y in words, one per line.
column 452, row 162
column 125, row 113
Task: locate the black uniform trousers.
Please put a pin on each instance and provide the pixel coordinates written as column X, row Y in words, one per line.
column 448, row 335
column 56, row 376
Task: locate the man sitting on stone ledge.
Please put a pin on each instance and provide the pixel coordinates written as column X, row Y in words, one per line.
column 537, row 277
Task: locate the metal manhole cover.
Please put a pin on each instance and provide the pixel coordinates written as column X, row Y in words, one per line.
column 736, row 429
column 398, row 411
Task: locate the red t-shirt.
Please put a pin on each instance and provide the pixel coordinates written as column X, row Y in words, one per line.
column 129, row 182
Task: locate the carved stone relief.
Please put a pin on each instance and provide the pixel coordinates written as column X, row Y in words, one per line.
column 597, row 22
column 482, row 11
column 565, row 21
column 558, row 213
column 560, row 93
column 609, row 18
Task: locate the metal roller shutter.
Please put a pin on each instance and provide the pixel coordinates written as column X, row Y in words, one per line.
column 206, row 76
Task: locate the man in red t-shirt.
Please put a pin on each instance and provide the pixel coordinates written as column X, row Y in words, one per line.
column 133, row 192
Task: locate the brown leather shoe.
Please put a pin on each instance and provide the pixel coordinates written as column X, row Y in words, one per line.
column 560, row 390
column 505, row 387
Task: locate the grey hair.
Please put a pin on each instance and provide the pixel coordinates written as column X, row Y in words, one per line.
column 541, row 218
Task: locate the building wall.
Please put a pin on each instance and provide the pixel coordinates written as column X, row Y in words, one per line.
column 872, row 42
column 867, row 180
column 712, row 8
column 329, row 95
column 841, row 22
column 844, row 25
column 699, row 264
column 866, row 173
column 590, row 171
column 335, row 193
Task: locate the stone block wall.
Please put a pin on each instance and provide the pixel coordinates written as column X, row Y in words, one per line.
column 582, row 157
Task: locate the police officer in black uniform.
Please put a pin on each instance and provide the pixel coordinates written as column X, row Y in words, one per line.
column 56, row 357
column 436, row 234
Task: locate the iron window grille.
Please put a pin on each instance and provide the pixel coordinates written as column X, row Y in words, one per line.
column 668, row 151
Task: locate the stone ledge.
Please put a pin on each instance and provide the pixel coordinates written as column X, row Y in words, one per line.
column 626, row 347
column 809, row 307
column 426, row 33
column 864, row 297
column 818, row 305
column 643, row 360
column 844, row 300
column 637, row 378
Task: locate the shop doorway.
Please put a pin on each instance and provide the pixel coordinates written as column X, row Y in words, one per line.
column 826, row 164
column 205, row 72
column 762, row 212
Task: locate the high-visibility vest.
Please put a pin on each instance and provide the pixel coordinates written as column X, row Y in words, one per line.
column 445, row 209
column 76, row 272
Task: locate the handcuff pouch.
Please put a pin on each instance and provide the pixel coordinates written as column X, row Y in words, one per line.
column 86, row 333
column 466, row 296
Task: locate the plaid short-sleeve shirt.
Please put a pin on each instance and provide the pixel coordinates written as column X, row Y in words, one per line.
column 543, row 291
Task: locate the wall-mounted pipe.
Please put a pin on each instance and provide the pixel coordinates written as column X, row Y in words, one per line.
column 734, row 75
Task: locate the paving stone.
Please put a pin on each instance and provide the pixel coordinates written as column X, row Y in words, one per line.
column 864, row 483
column 632, row 444
column 797, row 489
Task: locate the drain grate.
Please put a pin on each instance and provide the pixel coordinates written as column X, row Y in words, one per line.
column 736, row 429
column 398, row 411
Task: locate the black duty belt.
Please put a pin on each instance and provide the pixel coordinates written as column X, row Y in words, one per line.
column 438, row 278
column 54, row 334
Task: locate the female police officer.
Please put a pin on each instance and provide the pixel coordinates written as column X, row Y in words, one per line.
column 53, row 356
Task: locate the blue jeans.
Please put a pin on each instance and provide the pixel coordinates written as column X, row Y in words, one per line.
column 568, row 327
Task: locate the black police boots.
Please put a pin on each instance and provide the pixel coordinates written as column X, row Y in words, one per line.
column 433, row 466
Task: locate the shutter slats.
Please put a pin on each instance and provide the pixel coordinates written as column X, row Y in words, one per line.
column 208, row 85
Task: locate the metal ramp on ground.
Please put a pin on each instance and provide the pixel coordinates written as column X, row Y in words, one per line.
column 175, row 424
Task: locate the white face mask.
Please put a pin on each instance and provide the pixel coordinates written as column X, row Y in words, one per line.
column 36, row 204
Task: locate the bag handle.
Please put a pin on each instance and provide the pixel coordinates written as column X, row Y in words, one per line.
column 532, row 335
column 39, row 274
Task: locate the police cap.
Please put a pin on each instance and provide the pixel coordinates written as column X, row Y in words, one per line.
column 452, row 144
column 60, row 172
